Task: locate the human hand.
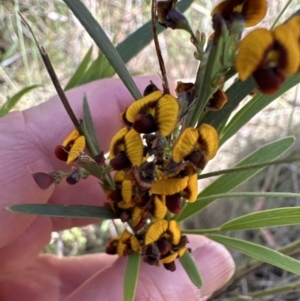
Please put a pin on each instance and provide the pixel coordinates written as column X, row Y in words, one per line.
column 27, row 142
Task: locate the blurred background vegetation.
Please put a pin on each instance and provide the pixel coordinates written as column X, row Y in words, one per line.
column 67, row 43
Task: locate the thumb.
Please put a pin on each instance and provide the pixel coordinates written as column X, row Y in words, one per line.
column 155, row 283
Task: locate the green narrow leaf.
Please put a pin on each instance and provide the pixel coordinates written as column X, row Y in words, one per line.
column 131, row 276
column 102, row 41
column 205, row 73
column 135, row 42
column 127, row 49
column 252, row 195
column 191, row 269
column 11, row 102
column 88, row 122
column 255, row 105
column 259, row 252
column 80, row 71
column 9, row 53
column 228, row 182
column 68, row 211
column 248, row 167
column 264, row 219
column 100, row 68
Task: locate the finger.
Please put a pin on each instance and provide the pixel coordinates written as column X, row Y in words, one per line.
column 51, row 277
column 155, row 283
column 20, row 253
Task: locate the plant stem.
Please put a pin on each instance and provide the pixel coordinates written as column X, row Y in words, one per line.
column 285, row 288
column 201, row 231
column 22, row 44
column 203, row 89
column 281, row 13
column 290, row 249
column 157, row 47
column 89, row 143
column 248, row 167
column 54, row 79
column 78, row 125
column 59, row 89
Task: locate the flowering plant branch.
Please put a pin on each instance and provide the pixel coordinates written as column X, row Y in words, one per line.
column 166, row 140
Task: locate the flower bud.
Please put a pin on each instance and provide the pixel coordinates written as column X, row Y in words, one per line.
column 74, row 177
column 169, row 16
column 45, row 180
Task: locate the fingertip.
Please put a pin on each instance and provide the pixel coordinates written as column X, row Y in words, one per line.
column 156, row 283
column 215, row 263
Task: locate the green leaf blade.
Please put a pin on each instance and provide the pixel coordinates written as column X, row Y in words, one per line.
column 254, row 106
column 11, row 102
column 252, row 195
column 99, row 68
column 228, row 182
column 88, row 122
column 102, row 41
column 67, row 211
column 78, row 75
column 191, row 269
column 131, row 276
column 259, row 252
column 264, row 219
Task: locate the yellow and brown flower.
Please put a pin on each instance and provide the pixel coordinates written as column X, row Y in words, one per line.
column 196, row 145
column 71, row 148
column 269, row 56
column 251, row 11
column 122, row 197
column 155, row 112
column 126, row 149
column 174, row 189
column 164, row 243
column 155, row 208
column 127, row 244
column 217, row 101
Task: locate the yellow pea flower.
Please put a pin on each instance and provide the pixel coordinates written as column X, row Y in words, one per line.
column 196, row 145
column 71, row 147
column 164, row 236
column 252, row 11
column 127, row 244
column 154, row 112
column 269, row 56
column 126, row 149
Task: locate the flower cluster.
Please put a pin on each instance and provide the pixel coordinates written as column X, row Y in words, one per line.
column 155, row 170
column 156, row 157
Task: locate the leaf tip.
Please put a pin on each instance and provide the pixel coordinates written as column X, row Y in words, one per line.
column 9, row 208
